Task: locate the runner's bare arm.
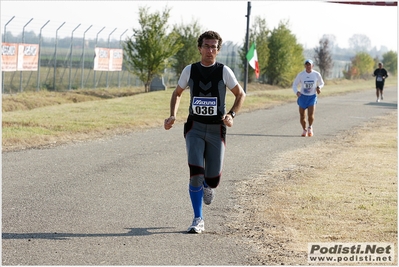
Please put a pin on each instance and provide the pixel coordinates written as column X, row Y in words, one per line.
column 239, row 100
column 174, row 106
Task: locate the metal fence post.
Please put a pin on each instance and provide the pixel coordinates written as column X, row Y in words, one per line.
column 23, row 41
column 109, row 47
column 4, row 40
column 83, row 58
column 94, row 72
column 119, row 73
column 55, row 54
column 247, row 47
column 40, row 48
column 70, row 58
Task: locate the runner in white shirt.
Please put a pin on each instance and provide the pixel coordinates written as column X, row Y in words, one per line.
column 311, row 83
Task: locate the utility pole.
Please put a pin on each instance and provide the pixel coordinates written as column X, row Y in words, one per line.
column 247, row 48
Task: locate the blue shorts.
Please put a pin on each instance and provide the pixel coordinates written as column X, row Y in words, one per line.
column 305, row 101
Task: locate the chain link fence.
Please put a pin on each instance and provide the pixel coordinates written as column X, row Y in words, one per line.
column 68, row 63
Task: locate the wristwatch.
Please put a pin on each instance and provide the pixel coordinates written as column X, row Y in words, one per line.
column 232, row 113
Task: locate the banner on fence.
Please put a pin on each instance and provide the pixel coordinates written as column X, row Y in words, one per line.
column 9, row 53
column 19, row 57
column 116, row 59
column 101, row 58
column 108, row 59
column 28, row 57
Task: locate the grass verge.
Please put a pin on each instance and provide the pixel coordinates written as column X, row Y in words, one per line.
column 51, row 118
column 340, row 190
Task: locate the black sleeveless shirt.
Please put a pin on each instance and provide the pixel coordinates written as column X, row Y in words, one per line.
column 207, row 93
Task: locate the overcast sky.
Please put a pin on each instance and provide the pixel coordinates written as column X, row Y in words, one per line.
column 308, row 20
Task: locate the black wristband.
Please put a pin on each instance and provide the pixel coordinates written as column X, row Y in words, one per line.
column 232, row 113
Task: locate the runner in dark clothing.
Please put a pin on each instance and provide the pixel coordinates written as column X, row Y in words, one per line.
column 205, row 129
column 380, row 75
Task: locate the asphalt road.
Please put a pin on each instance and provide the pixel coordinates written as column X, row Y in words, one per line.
column 124, row 200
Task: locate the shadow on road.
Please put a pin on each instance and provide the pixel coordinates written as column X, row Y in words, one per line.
column 268, row 135
column 65, row 236
column 383, row 105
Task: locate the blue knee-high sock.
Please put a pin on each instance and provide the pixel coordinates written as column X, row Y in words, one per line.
column 196, row 195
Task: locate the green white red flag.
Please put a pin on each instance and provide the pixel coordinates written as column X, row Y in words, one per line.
column 252, row 57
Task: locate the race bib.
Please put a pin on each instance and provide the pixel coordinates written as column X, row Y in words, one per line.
column 379, row 79
column 205, row 106
column 307, row 86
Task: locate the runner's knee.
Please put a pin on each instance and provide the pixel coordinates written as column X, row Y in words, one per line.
column 212, row 182
column 196, row 181
column 196, row 175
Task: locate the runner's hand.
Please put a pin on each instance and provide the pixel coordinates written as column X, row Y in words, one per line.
column 228, row 120
column 168, row 123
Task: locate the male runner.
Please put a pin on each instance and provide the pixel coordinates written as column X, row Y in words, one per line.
column 380, row 75
column 205, row 129
column 311, row 82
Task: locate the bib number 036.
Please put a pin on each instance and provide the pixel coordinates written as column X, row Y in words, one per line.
column 205, row 106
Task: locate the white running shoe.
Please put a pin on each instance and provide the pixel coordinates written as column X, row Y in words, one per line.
column 382, row 97
column 304, row 133
column 197, row 226
column 378, row 100
column 310, row 131
column 209, row 195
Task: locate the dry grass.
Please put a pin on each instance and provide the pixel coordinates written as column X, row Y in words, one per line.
column 58, row 124
column 32, row 100
column 342, row 190
column 44, row 118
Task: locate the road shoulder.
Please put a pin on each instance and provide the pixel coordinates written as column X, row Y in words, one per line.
column 307, row 194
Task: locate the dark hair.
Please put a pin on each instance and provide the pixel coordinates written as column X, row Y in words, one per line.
column 210, row 35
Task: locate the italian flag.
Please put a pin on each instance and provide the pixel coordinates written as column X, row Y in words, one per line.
column 252, row 57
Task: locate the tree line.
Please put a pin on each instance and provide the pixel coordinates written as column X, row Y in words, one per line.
column 281, row 57
column 151, row 49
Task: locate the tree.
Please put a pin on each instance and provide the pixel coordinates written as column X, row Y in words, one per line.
column 359, row 43
column 390, row 61
column 332, row 40
column 258, row 34
column 323, row 57
column 150, row 47
column 286, row 57
column 361, row 66
column 188, row 35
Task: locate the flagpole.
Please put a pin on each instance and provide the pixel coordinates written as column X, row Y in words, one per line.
column 246, row 48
